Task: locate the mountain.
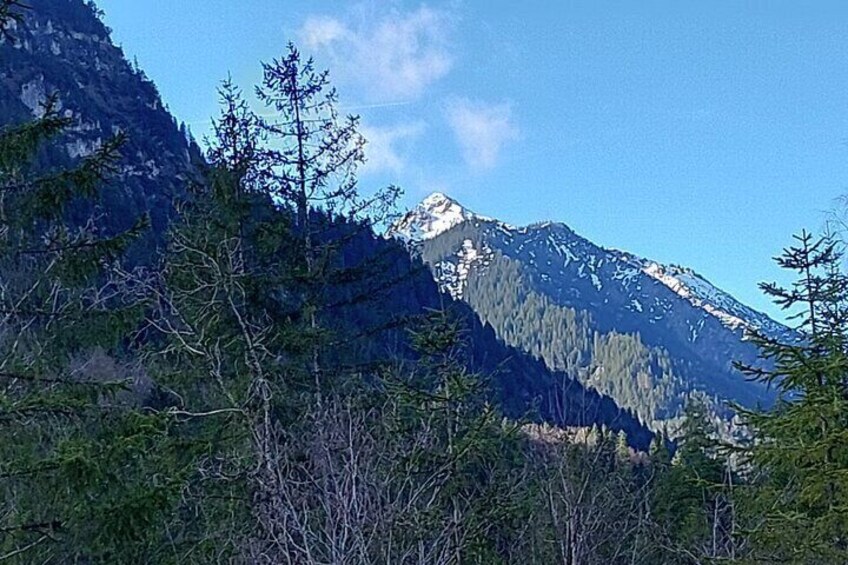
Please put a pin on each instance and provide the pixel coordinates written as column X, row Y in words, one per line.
column 649, row 335
column 435, row 215
column 403, row 289
column 62, row 48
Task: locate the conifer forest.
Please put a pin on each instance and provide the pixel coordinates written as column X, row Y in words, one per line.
column 243, row 349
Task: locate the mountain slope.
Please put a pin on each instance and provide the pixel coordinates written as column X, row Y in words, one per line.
column 524, row 387
column 62, row 48
column 647, row 334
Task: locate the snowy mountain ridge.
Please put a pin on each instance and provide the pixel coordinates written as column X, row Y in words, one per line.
column 703, row 294
column 438, row 214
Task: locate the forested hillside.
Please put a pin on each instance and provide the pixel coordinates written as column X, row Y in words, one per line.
column 64, row 50
column 64, row 44
column 617, row 324
column 217, row 359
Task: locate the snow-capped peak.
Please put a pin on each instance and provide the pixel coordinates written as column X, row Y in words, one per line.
column 435, row 215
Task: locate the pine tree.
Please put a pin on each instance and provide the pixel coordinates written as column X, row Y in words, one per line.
column 75, row 446
column 313, row 158
column 799, row 506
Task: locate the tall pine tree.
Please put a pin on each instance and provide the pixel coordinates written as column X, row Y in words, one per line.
column 75, row 443
column 799, row 507
column 313, row 159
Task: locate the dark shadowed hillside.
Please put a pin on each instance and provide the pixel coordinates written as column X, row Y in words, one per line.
column 63, row 49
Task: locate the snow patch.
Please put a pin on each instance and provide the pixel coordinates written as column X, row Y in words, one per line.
column 717, row 303
column 452, row 276
column 435, row 215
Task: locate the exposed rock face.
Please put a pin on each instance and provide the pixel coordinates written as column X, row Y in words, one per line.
column 63, row 48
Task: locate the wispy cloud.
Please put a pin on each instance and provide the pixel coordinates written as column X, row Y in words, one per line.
column 393, row 57
column 387, row 147
column 357, row 107
column 320, row 32
column 482, row 130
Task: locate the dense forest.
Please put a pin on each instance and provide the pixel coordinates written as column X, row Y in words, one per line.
column 640, row 377
column 262, row 385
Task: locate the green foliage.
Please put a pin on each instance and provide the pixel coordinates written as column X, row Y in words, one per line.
column 230, row 403
column 225, row 346
column 241, row 324
column 691, row 498
column 75, row 450
column 469, row 449
column 798, row 504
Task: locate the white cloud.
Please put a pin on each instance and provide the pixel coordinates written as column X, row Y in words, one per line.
column 481, row 130
column 320, row 32
column 396, row 56
column 387, row 147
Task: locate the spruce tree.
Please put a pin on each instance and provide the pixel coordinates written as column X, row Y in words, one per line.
column 690, row 498
column 223, row 343
column 312, row 159
column 75, row 443
column 799, row 455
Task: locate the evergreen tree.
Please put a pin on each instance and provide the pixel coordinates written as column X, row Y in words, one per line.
column 622, row 449
column 75, row 445
column 799, row 504
column 240, row 319
column 659, row 453
column 223, row 344
column 470, row 451
column 691, row 498
column 313, row 158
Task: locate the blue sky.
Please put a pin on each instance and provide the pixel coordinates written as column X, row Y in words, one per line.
column 698, row 133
